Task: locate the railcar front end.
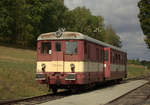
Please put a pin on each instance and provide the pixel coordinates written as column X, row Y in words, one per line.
column 60, row 61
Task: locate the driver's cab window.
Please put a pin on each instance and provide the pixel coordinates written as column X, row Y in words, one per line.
column 58, row 46
column 71, row 47
column 46, row 48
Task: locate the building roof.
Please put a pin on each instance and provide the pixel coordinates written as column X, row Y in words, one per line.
column 74, row 36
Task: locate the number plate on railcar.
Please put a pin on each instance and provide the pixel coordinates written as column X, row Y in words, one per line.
column 71, row 76
column 40, row 77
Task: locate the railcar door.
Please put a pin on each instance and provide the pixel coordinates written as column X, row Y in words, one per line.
column 59, row 57
column 106, row 63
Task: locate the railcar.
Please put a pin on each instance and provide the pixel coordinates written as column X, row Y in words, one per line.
column 71, row 59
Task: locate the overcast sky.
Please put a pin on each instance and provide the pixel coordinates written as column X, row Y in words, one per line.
column 122, row 15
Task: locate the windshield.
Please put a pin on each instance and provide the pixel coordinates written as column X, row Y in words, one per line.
column 58, row 46
column 46, row 48
column 71, row 47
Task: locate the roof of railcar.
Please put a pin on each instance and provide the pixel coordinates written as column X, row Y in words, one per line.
column 75, row 36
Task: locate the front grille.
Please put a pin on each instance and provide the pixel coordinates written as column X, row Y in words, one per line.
column 71, row 76
column 40, row 77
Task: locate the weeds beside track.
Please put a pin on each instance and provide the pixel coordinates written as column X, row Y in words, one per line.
column 50, row 97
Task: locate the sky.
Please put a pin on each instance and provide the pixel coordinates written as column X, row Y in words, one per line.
column 122, row 15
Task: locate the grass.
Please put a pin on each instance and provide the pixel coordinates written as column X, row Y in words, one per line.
column 137, row 70
column 17, row 74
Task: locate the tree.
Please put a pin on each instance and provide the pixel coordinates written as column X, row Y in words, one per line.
column 6, row 21
column 111, row 37
column 23, row 20
column 81, row 20
column 46, row 16
column 144, row 17
column 15, row 28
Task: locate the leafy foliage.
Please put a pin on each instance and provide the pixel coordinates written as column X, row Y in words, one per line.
column 144, row 17
column 138, row 62
column 111, row 37
column 134, row 61
column 82, row 21
column 23, row 20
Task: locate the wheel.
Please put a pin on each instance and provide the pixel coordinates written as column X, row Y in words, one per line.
column 119, row 81
column 54, row 90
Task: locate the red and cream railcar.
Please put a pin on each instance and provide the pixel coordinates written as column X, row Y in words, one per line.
column 72, row 59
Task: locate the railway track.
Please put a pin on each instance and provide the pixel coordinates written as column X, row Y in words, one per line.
column 139, row 96
column 50, row 97
column 36, row 100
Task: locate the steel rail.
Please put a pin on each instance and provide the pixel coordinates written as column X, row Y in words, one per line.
column 50, row 97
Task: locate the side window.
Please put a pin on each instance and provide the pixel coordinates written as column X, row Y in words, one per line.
column 100, row 55
column 125, row 59
column 97, row 54
column 122, row 59
column 116, row 59
column 106, row 55
column 119, row 61
column 58, row 46
column 85, row 47
column 89, row 51
column 71, row 48
column 46, row 48
column 111, row 57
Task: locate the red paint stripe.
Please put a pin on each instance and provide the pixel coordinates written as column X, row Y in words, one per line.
column 83, row 78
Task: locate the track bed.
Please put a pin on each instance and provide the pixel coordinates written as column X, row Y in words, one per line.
column 140, row 96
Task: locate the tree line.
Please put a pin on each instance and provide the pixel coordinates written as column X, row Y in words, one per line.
column 21, row 21
column 144, row 17
column 139, row 62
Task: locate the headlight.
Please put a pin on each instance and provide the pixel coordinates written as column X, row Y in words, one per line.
column 43, row 65
column 72, row 65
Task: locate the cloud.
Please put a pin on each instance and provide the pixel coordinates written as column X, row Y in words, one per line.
column 71, row 4
column 122, row 15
